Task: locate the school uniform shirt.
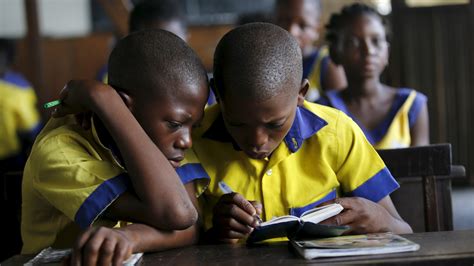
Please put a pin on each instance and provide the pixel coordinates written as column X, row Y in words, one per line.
column 70, row 178
column 314, row 69
column 19, row 118
column 394, row 131
column 324, row 155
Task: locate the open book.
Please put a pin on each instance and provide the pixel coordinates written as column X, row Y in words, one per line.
column 369, row 244
column 305, row 226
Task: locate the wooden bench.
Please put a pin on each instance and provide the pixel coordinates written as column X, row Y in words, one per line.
column 424, row 174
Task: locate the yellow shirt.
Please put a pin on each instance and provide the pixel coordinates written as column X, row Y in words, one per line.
column 394, row 131
column 18, row 114
column 70, row 178
column 324, row 155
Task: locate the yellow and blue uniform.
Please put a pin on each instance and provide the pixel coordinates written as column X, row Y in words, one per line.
column 323, row 156
column 19, row 118
column 394, row 131
column 70, row 178
column 314, row 69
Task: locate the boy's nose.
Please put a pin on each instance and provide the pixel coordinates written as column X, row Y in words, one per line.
column 259, row 139
column 185, row 141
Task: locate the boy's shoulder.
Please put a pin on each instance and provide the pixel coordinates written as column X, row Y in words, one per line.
column 333, row 117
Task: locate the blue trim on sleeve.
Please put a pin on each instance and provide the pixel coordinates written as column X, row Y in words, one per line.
column 377, row 187
column 420, row 100
column 191, row 171
column 100, row 199
column 16, row 79
column 305, row 125
column 299, row 211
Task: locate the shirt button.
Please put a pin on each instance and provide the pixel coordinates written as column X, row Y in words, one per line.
column 269, row 172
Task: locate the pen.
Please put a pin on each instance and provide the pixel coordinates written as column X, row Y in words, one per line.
column 51, row 104
column 226, row 189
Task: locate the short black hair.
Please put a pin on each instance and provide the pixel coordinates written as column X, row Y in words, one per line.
column 339, row 21
column 261, row 58
column 148, row 11
column 153, row 61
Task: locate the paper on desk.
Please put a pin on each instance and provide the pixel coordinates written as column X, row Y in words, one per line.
column 50, row 255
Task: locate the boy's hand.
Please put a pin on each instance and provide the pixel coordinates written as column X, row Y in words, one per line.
column 101, row 246
column 78, row 97
column 362, row 215
column 234, row 217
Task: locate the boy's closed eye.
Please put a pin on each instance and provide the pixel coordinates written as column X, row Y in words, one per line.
column 174, row 124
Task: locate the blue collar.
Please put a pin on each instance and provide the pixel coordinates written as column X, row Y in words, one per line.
column 306, row 124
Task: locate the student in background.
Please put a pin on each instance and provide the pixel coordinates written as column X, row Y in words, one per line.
column 155, row 14
column 302, row 19
column 389, row 117
column 281, row 154
column 19, row 118
column 122, row 168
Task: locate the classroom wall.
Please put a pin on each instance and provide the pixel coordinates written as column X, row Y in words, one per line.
column 432, row 52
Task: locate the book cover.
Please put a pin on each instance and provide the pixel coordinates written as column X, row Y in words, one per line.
column 382, row 243
column 305, row 226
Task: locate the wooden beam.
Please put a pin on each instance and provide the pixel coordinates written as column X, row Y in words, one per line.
column 34, row 45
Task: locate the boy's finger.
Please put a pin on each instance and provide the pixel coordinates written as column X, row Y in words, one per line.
column 244, row 204
column 122, row 253
column 91, row 249
column 107, row 251
column 76, row 255
column 230, row 234
column 344, row 218
column 235, row 225
column 257, row 205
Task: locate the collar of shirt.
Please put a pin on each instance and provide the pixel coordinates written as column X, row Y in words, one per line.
column 305, row 125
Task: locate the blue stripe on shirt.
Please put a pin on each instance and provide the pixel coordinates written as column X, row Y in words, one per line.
column 191, row 171
column 102, row 197
column 377, row 187
column 299, row 211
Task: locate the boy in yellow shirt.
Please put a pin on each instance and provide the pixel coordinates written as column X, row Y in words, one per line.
column 122, row 168
column 280, row 154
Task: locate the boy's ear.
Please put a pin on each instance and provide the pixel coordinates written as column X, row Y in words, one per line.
column 303, row 90
column 214, row 89
column 126, row 99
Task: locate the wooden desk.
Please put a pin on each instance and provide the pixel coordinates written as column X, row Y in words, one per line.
column 436, row 248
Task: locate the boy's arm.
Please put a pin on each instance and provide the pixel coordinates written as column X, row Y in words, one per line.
column 365, row 216
column 111, row 246
column 160, row 200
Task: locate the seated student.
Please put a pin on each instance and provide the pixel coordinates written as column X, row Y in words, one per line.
column 19, row 118
column 155, row 14
column 302, row 18
column 389, row 117
column 270, row 146
column 121, row 169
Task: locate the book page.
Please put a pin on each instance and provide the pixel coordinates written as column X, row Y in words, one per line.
column 280, row 219
column 319, row 214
